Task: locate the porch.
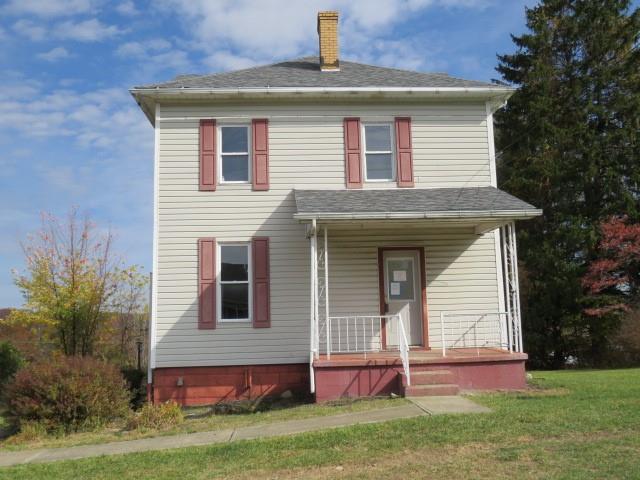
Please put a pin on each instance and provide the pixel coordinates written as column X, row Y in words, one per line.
column 432, row 373
column 409, row 281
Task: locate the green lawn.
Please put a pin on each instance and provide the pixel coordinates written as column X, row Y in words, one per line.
column 200, row 419
column 576, row 425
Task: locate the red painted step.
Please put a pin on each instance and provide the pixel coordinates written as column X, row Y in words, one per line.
column 431, row 390
column 430, row 377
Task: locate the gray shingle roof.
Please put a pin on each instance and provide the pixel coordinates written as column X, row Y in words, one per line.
column 435, row 202
column 305, row 72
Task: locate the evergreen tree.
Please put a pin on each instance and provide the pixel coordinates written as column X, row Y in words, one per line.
column 568, row 143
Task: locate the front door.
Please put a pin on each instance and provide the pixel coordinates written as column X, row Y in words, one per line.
column 403, row 286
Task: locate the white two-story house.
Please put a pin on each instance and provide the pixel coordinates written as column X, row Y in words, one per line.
column 330, row 227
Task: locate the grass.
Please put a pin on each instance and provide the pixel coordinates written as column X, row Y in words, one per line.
column 202, row 419
column 572, row 425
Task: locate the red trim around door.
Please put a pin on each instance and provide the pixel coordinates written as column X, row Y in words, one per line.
column 423, row 280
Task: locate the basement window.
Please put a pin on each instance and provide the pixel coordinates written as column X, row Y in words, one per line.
column 235, row 287
column 378, row 153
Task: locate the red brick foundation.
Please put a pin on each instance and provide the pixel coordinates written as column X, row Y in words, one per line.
column 208, row 385
column 370, row 378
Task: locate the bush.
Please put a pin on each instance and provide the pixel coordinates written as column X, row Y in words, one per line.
column 29, row 432
column 10, row 361
column 157, row 417
column 69, row 393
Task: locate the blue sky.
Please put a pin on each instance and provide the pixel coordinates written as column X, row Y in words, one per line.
column 71, row 135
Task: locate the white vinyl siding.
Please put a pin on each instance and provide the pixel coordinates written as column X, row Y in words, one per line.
column 306, row 151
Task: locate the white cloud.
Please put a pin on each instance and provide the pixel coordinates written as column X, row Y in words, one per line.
column 139, row 49
column 55, row 54
column 228, row 61
column 240, row 33
column 49, row 8
column 106, row 118
column 128, row 9
column 153, row 56
column 92, row 30
column 29, row 29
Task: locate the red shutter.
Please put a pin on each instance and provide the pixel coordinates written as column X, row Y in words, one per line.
column 260, row 155
column 352, row 153
column 261, row 300
column 207, row 155
column 207, row 283
column 404, row 153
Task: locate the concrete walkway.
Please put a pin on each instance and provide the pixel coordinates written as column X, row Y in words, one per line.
column 448, row 404
column 419, row 406
column 207, row 438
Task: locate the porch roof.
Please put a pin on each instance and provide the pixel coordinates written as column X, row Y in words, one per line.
column 478, row 203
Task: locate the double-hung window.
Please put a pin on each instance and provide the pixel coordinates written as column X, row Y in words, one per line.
column 234, row 153
column 235, row 286
column 378, row 152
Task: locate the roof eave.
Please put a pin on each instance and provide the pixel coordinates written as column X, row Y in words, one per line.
column 488, row 92
column 445, row 215
column 146, row 97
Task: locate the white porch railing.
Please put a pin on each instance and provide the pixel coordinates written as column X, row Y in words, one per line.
column 478, row 330
column 365, row 334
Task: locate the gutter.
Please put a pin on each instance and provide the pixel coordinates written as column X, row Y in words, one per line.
column 462, row 214
column 143, row 95
column 265, row 90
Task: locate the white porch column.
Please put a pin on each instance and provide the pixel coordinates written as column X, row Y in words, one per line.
column 327, row 324
column 514, row 250
column 512, row 287
column 313, row 352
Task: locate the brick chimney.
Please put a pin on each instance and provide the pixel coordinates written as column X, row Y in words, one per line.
column 328, row 37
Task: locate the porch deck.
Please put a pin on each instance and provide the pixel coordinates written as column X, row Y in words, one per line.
column 419, row 357
column 381, row 373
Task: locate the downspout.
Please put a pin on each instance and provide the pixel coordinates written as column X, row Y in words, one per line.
column 153, row 307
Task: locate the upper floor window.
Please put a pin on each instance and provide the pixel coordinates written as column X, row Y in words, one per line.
column 378, row 152
column 234, row 154
column 234, row 282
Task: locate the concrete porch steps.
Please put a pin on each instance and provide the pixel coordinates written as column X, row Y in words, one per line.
column 430, row 383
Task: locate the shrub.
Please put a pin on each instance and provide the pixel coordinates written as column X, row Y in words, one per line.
column 29, row 432
column 157, row 417
column 10, row 361
column 69, row 393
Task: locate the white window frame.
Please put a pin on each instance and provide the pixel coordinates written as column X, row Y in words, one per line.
column 220, row 154
column 219, row 283
column 392, row 152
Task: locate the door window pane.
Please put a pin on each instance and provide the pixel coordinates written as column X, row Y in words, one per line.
column 400, row 280
column 378, row 138
column 234, row 264
column 235, row 301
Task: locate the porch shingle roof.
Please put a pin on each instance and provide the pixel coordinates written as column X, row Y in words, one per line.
column 474, row 202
